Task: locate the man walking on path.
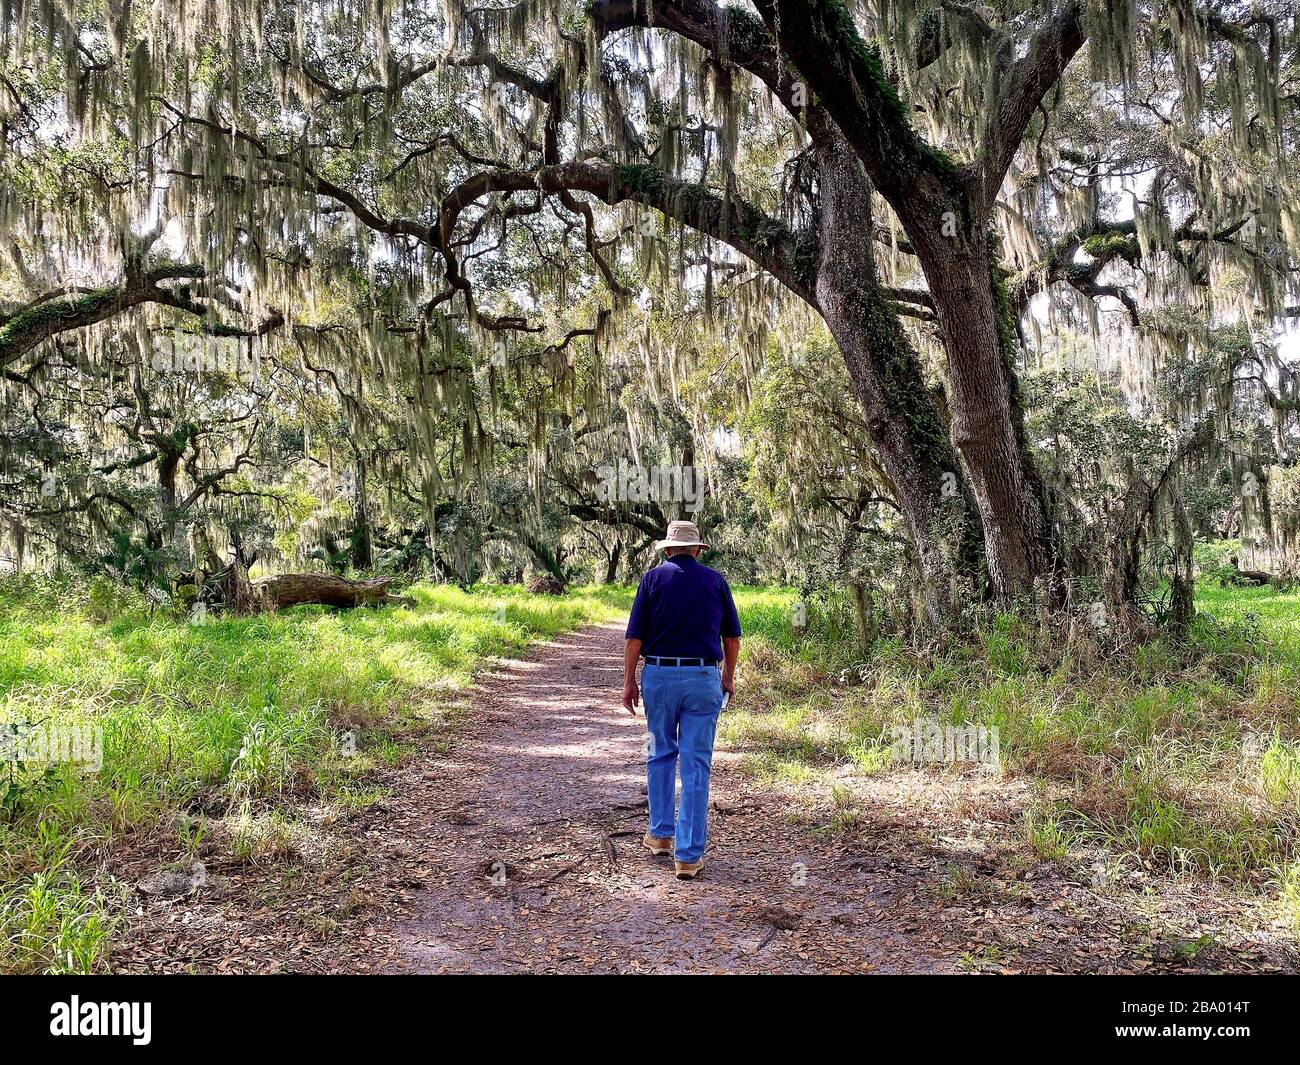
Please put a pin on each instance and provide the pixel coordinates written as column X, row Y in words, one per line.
column 684, row 624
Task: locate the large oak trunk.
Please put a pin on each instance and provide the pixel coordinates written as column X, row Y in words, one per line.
column 987, row 420
column 945, row 210
column 902, row 417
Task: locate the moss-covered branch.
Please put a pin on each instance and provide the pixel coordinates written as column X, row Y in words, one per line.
column 849, row 80
column 733, row 35
column 769, row 243
column 44, row 318
column 1024, row 84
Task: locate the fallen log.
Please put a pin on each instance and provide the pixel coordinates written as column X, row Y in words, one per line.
column 324, row 589
column 1255, row 577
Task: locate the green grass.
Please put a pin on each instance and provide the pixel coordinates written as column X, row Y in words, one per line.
column 1278, row 613
column 1184, row 759
column 230, row 721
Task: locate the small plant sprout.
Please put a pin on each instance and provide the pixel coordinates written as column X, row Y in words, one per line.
column 9, row 733
column 189, row 833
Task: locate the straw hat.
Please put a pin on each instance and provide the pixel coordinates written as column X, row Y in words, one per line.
column 681, row 534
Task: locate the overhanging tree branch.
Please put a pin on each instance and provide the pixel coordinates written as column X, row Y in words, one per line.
column 730, row 34
column 1024, row 85
column 848, row 77
column 47, row 318
column 766, row 241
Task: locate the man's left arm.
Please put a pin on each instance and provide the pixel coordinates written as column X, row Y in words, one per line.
column 730, row 652
column 730, row 639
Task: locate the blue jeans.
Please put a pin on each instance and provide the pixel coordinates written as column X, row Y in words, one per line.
column 682, row 704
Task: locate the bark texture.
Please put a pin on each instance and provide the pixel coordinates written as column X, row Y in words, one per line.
column 987, row 419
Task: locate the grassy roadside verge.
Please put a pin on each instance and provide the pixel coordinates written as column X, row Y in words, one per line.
column 1164, row 761
column 213, row 733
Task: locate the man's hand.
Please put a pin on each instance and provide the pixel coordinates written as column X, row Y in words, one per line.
column 631, row 694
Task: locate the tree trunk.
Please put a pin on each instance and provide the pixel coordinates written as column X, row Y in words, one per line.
column 168, row 464
column 544, row 555
column 1123, row 559
column 611, row 567
column 987, row 420
column 902, row 418
column 1182, row 592
column 294, row 589
column 1258, row 578
column 168, row 467
column 363, row 554
column 241, row 597
column 863, row 615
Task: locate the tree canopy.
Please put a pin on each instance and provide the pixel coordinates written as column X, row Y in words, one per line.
column 988, row 295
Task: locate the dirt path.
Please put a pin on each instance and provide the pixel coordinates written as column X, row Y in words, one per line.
column 511, row 843
column 537, row 864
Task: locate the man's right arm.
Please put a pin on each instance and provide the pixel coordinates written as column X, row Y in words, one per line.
column 635, row 637
column 631, row 694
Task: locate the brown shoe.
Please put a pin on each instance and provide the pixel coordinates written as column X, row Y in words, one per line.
column 688, row 870
column 657, row 845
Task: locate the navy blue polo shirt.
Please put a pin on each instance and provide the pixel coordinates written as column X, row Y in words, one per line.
column 682, row 610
